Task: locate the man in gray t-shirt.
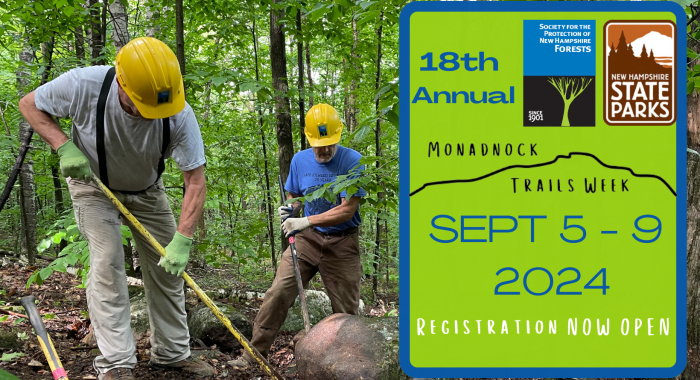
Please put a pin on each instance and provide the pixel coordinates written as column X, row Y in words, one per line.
column 126, row 121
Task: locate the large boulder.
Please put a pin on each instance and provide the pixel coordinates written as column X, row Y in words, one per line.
column 345, row 346
column 319, row 306
column 139, row 319
column 139, row 323
column 204, row 325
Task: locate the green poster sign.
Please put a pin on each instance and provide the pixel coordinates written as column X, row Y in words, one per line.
column 543, row 190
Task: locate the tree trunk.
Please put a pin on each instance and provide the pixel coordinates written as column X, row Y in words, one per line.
column 57, row 190
column 26, row 175
column 153, row 20
column 378, row 153
column 180, row 35
column 308, row 75
column 54, row 161
column 47, row 53
column 79, row 44
column 565, row 118
column 26, row 138
column 386, row 245
column 103, row 24
column 693, row 104
column 88, row 28
column 278, row 63
column 95, row 41
column 120, row 31
column 150, row 19
column 300, row 85
column 693, row 249
column 268, row 196
column 693, row 259
column 201, row 222
column 694, row 121
column 207, row 90
column 354, row 57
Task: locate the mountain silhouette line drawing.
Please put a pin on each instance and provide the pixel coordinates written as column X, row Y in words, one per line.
column 561, row 156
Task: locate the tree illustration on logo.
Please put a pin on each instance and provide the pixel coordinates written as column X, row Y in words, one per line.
column 569, row 89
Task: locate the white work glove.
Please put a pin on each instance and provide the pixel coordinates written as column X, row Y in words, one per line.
column 292, row 226
column 285, row 211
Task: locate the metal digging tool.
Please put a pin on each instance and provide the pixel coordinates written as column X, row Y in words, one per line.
column 300, row 286
column 190, row 282
column 44, row 340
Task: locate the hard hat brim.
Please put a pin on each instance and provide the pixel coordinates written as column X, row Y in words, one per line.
column 161, row 111
column 316, row 143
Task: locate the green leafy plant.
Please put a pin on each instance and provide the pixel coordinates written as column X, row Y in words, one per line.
column 9, row 357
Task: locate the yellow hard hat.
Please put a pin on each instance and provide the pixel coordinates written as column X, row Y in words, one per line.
column 149, row 73
column 323, row 125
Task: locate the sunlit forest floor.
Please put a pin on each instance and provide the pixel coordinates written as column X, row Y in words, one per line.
column 64, row 306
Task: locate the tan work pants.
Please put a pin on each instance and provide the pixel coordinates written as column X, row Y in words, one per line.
column 338, row 260
column 107, row 293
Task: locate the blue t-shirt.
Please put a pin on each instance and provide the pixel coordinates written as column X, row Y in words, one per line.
column 306, row 175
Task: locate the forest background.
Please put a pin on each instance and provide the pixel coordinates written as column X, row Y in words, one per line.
column 251, row 71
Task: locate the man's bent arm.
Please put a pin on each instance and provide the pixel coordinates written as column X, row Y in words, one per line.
column 193, row 203
column 42, row 122
column 336, row 215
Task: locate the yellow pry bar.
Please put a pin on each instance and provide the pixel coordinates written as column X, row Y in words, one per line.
column 190, row 282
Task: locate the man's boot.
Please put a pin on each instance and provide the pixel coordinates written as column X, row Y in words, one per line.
column 117, row 374
column 190, row 365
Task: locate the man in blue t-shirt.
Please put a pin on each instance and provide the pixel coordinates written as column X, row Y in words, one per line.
column 326, row 237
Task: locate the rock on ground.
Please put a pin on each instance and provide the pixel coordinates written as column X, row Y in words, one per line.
column 139, row 318
column 345, row 346
column 319, row 306
column 8, row 340
column 204, row 325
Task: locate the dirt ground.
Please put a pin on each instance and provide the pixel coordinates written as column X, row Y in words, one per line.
column 62, row 303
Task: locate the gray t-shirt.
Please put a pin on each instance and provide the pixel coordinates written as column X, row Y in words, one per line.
column 132, row 145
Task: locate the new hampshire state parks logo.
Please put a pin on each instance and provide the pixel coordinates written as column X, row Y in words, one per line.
column 640, row 70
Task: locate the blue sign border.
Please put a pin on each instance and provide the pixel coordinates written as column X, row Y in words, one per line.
column 681, row 200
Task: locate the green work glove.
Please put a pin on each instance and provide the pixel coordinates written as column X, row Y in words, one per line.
column 74, row 164
column 176, row 254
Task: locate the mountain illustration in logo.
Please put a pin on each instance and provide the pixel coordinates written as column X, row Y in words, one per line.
column 639, row 55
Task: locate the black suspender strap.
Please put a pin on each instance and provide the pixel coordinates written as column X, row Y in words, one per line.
column 100, row 133
column 100, row 126
column 166, row 142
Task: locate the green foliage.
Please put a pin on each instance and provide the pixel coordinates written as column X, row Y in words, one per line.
column 684, row 3
column 7, row 376
column 75, row 253
column 9, row 357
column 235, row 106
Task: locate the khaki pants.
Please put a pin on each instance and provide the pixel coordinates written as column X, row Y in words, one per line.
column 107, row 294
column 338, row 260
